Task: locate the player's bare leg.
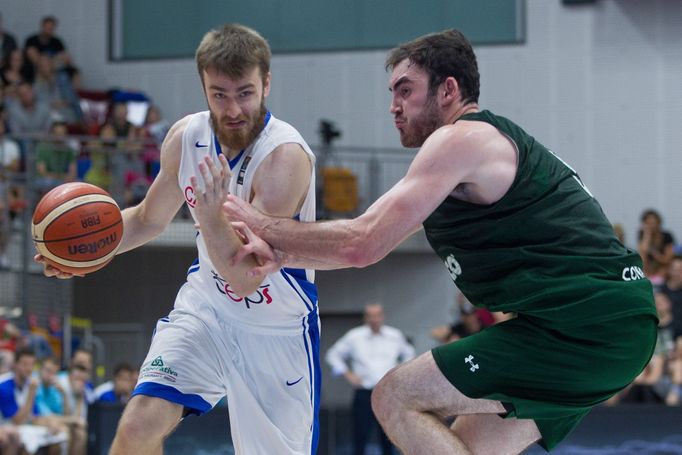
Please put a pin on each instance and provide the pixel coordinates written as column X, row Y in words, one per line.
column 491, row 434
column 145, row 423
column 412, row 400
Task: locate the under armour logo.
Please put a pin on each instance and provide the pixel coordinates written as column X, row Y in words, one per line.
column 470, row 361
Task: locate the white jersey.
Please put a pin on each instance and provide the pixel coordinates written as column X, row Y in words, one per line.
column 284, row 298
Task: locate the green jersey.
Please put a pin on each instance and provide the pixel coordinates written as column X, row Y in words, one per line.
column 544, row 250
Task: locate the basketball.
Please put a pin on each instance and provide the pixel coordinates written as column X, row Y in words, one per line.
column 77, row 227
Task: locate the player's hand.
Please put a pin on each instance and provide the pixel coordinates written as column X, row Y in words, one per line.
column 212, row 189
column 239, row 210
column 267, row 258
column 51, row 271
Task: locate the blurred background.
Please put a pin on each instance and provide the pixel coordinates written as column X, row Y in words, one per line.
column 597, row 81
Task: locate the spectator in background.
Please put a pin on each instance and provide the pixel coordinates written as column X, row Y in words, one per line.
column 470, row 320
column 119, row 120
column 674, row 397
column 17, row 400
column 47, row 90
column 7, row 43
column 25, row 114
column 154, row 132
column 100, row 156
column 10, row 162
column 363, row 356
column 55, row 159
column 78, row 393
column 673, row 289
column 155, row 127
column 119, row 389
column 13, row 72
column 50, row 396
column 10, row 337
column 655, row 246
column 45, row 42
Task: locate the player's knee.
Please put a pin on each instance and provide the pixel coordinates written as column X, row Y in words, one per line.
column 385, row 397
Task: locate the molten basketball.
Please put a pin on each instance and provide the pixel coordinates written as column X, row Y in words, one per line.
column 77, row 227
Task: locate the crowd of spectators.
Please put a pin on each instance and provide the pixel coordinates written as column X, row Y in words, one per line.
column 43, row 407
column 51, row 119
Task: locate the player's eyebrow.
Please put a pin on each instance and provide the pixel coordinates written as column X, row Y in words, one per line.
column 239, row 89
column 401, row 80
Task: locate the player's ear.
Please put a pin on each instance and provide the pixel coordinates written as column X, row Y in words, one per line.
column 450, row 90
column 266, row 85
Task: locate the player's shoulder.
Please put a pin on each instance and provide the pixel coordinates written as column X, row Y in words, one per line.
column 177, row 130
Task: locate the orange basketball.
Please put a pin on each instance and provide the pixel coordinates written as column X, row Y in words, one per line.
column 77, row 227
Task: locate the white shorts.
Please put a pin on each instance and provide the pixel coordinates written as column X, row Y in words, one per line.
column 271, row 380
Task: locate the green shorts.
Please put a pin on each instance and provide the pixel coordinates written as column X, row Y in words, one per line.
column 551, row 376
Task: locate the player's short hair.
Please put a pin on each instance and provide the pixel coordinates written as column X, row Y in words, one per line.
column 233, row 50
column 441, row 55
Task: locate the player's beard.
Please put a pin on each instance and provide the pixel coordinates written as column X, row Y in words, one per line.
column 429, row 120
column 238, row 139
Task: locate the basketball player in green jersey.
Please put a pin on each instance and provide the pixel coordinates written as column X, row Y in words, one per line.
column 518, row 232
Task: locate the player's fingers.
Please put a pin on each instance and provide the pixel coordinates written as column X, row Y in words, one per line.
column 198, row 191
column 212, row 168
column 241, row 253
column 267, row 268
column 227, row 174
column 206, row 175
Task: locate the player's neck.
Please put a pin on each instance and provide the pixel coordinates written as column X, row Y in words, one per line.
column 229, row 153
column 461, row 110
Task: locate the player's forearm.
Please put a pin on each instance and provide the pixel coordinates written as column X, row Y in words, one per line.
column 222, row 244
column 325, row 245
column 138, row 229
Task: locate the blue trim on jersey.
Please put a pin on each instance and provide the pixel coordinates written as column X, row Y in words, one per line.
column 309, row 289
column 194, row 267
column 194, row 403
column 314, row 370
column 233, row 162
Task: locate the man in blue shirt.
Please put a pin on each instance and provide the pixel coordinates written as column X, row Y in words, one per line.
column 17, row 402
column 18, row 389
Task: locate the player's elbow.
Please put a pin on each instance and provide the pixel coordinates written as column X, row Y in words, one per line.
column 360, row 253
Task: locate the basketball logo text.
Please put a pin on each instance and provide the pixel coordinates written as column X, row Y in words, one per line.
column 93, row 247
column 90, row 221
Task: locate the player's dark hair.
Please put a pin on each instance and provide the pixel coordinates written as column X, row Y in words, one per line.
column 442, row 55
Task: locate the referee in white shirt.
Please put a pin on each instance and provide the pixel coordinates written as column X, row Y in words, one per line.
column 363, row 356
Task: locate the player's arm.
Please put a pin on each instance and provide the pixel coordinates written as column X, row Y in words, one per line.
column 450, row 156
column 279, row 188
column 150, row 217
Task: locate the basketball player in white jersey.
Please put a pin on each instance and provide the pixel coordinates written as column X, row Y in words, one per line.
column 253, row 340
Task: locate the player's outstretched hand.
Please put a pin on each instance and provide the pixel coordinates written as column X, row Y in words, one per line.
column 51, row 271
column 267, row 258
column 211, row 187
